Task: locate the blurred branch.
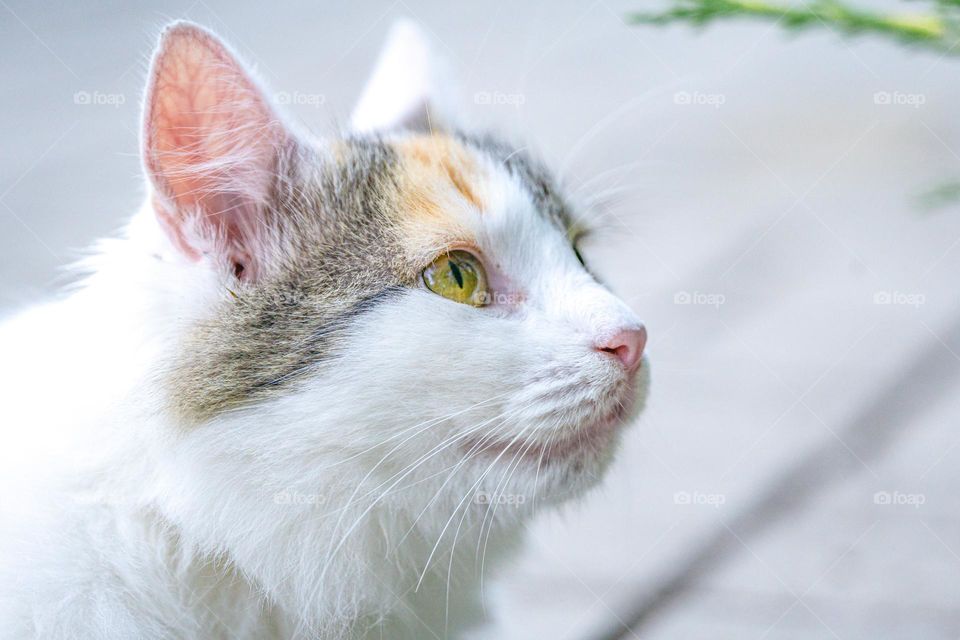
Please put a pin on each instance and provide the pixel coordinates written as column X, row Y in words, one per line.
column 938, row 28
column 940, row 196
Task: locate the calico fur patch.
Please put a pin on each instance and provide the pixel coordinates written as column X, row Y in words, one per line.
column 351, row 229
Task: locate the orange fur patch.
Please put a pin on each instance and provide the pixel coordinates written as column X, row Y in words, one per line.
column 439, row 192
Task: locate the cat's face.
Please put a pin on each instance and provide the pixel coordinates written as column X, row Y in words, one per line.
column 408, row 305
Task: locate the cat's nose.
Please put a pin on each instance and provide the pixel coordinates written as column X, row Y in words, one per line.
column 627, row 346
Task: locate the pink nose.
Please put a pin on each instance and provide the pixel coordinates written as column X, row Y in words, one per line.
column 627, row 346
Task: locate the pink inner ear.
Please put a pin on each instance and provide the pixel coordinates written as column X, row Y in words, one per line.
column 210, row 143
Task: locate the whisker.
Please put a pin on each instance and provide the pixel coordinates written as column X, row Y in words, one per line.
column 333, row 550
column 466, row 497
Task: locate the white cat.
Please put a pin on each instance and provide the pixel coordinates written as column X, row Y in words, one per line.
column 315, row 386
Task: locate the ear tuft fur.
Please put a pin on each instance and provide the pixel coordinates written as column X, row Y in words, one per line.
column 410, row 88
column 211, row 141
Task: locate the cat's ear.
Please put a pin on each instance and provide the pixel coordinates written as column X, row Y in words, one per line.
column 210, row 146
column 411, row 87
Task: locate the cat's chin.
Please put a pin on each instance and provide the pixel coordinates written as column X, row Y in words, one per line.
column 580, row 443
column 578, row 446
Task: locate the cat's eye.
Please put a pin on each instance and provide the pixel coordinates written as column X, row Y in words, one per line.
column 576, row 236
column 576, row 252
column 458, row 276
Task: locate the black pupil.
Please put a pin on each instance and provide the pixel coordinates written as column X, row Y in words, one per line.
column 457, row 275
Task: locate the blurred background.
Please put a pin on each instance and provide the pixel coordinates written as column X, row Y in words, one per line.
column 759, row 195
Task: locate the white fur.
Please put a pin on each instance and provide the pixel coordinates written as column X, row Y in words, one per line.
column 344, row 508
column 410, row 87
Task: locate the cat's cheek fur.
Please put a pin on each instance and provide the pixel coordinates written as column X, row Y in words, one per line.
column 315, row 491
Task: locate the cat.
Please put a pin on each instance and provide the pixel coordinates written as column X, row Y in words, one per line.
column 317, row 386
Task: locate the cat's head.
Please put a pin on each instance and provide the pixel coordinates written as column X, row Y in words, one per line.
column 402, row 310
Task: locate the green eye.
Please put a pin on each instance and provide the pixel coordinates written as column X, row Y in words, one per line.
column 458, row 276
column 576, row 252
column 576, row 236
